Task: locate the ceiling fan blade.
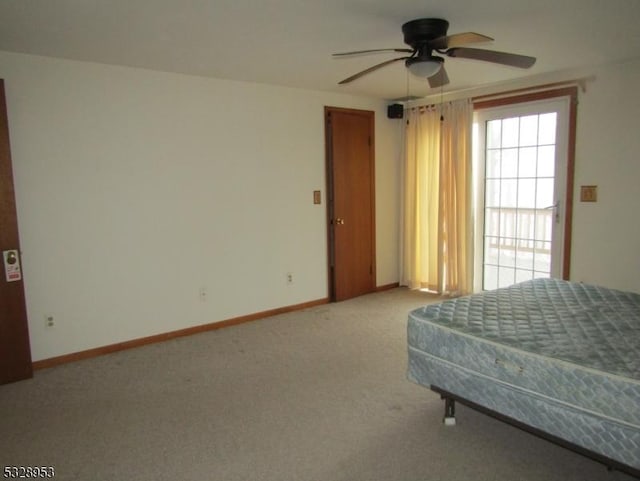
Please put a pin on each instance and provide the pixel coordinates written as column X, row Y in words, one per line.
column 370, row 69
column 375, row 50
column 458, row 39
column 504, row 58
column 439, row 79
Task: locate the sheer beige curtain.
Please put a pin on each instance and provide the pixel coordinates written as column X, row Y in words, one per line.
column 437, row 221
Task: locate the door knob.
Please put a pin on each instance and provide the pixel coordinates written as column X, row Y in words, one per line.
column 340, row 221
column 555, row 210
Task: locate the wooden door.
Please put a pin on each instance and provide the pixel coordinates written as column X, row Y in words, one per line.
column 15, row 352
column 351, row 208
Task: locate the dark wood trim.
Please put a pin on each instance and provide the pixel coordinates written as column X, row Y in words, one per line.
column 387, row 287
column 527, row 97
column 189, row 331
column 572, row 94
column 328, row 143
column 374, row 248
column 537, row 88
column 610, row 463
column 571, row 162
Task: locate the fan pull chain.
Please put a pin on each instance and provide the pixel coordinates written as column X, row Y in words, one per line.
column 407, row 96
column 441, row 109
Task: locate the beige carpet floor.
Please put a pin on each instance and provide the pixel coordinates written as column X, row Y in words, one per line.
column 319, row 394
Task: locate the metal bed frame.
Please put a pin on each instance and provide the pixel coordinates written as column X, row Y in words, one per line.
column 449, row 419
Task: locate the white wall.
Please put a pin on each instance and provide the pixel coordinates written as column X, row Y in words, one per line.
column 135, row 189
column 606, row 234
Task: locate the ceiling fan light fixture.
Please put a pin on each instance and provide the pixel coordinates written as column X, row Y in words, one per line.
column 424, row 67
column 428, row 35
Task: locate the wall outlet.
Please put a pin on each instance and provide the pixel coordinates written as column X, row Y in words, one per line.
column 49, row 321
column 289, row 278
column 202, row 294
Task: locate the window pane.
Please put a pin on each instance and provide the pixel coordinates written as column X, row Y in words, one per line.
column 491, row 250
column 492, row 193
column 527, row 193
column 507, row 252
column 492, row 222
column 507, row 228
column 541, row 275
column 526, row 224
column 494, row 134
column 529, row 130
column 544, row 224
column 544, row 196
column 523, row 275
column 527, row 162
column 508, row 193
column 525, row 257
column 510, row 132
column 547, row 129
column 542, row 259
column 493, row 163
column 490, row 278
column 509, row 163
column 546, row 161
column 506, row 276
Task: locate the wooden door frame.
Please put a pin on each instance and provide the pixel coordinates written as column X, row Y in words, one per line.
column 328, row 110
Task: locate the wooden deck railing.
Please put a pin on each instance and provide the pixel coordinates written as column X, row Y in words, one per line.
column 518, row 229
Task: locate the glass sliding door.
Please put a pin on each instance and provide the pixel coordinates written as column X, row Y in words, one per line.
column 522, row 158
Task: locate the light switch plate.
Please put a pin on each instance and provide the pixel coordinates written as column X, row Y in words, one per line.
column 589, row 193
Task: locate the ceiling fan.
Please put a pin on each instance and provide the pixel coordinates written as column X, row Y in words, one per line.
column 428, row 35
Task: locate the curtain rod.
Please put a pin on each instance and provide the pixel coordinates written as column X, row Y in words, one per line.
column 580, row 82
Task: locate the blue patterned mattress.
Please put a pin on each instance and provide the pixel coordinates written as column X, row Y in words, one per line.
column 558, row 356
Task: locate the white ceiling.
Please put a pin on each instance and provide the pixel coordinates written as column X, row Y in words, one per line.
column 290, row 42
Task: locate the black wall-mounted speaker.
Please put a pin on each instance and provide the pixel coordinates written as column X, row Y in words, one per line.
column 395, row 111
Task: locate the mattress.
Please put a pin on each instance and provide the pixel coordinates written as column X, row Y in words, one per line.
column 561, row 357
